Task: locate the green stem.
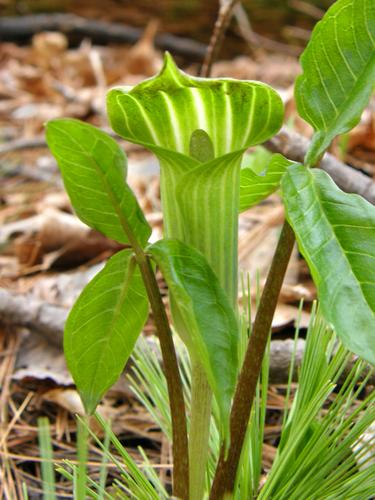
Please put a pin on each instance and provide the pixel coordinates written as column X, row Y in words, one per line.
column 213, row 230
column 226, row 469
column 199, row 430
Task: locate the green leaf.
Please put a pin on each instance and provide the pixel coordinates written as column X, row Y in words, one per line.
column 207, row 323
column 256, row 187
column 258, row 159
column 336, row 235
column 103, row 327
column 338, row 72
column 94, row 170
column 165, row 110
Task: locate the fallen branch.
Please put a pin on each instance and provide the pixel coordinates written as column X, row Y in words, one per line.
column 294, row 146
column 20, row 144
column 48, row 320
column 77, row 28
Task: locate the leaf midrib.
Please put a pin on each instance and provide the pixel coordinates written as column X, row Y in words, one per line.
column 116, row 205
column 115, row 202
column 128, row 233
column 128, row 274
column 317, row 197
column 352, row 95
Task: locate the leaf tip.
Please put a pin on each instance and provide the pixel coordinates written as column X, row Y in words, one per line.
column 90, row 402
column 170, row 70
column 51, row 127
column 169, row 64
column 50, row 124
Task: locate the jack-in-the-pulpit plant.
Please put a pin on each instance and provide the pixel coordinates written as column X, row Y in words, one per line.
column 199, row 129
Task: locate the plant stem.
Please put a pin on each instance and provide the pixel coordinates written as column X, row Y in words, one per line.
column 222, row 22
column 216, row 236
column 180, row 444
column 172, row 374
column 199, row 430
column 225, row 475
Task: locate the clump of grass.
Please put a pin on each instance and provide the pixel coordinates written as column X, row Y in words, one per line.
column 321, row 451
column 46, row 454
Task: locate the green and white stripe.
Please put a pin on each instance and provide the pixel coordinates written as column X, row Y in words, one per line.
column 165, row 110
column 208, row 198
column 200, row 200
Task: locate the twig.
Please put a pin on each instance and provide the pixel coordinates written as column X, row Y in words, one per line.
column 294, row 146
column 307, row 8
column 77, row 28
column 254, row 39
column 291, row 144
column 225, row 475
column 222, row 22
column 43, row 318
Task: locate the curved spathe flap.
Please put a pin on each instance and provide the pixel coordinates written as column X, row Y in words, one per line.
column 165, row 110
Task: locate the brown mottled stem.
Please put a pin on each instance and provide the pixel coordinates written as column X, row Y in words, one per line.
column 226, row 470
column 180, row 446
column 172, row 373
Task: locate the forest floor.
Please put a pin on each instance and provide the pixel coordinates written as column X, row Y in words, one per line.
column 47, row 255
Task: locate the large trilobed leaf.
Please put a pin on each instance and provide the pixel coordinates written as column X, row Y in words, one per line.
column 336, row 235
column 255, row 187
column 338, row 72
column 94, row 169
column 207, row 321
column 165, row 110
column 103, row 327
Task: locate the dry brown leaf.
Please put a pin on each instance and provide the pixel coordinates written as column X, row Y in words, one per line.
column 48, row 48
column 55, row 238
column 66, row 398
column 142, row 58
